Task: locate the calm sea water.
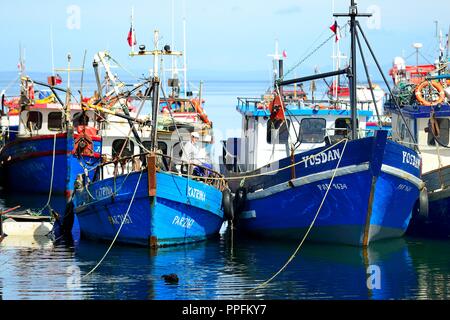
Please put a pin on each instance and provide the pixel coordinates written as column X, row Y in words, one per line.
column 225, row 267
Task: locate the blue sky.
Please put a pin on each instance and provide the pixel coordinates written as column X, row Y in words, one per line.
column 224, row 37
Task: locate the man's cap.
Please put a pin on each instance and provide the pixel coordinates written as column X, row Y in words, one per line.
column 195, row 135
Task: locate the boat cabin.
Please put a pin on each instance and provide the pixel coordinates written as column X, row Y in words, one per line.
column 426, row 124
column 173, row 132
column 48, row 119
column 264, row 141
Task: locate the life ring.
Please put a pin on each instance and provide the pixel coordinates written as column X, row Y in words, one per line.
column 200, row 111
column 420, row 96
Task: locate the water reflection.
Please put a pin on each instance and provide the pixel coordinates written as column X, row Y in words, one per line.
column 328, row 272
column 36, row 268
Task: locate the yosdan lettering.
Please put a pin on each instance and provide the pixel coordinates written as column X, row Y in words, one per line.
column 411, row 159
column 322, row 158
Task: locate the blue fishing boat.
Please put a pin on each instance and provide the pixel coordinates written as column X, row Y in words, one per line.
column 375, row 184
column 44, row 156
column 431, row 129
column 55, row 141
column 424, row 95
column 156, row 200
column 307, row 170
column 180, row 210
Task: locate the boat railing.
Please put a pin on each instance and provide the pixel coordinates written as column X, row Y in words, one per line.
column 164, row 163
column 251, row 104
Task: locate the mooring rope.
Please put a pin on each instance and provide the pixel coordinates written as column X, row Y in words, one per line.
column 118, row 231
column 273, row 171
column 51, row 178
column 265, row 283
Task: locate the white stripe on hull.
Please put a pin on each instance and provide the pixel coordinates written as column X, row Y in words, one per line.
column 403, row 175
column 308, row 180
column 329, row 174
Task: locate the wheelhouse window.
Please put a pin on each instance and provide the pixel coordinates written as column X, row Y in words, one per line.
column 80, row 119
column 313, row 130
column 440, row 131
column 55, row 121
column 278, row 131
column 34, row 120
column 161, row 146
column 126, row 145
column 343, row 126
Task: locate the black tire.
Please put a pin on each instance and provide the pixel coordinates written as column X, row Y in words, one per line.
column 227, row 204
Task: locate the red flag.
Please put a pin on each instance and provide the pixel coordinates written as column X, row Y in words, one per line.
column 58, row 79
column 131, row 37
column 336, row 30
column 284, row 54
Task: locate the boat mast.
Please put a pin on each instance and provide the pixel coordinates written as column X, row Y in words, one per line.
column 353, row 73
column 276, row 58
column 184, row 50
column 52, row 48
column 336, row 58
column 448, row 44
column 156, row 81
column 353, row 14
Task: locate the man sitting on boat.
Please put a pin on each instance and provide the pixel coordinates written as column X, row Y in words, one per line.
column 193, row 155
column 191, row 151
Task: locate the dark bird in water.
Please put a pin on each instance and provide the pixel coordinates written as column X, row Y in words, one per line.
column 170, row 278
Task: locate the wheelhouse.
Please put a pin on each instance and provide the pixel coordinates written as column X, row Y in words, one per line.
column 264, row 140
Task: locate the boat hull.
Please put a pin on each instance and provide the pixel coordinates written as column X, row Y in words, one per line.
column 371, row 197
column 27, row 164
column 182, row 212
column 437, row 223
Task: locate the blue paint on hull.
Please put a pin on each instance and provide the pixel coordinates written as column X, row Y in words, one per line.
column 370, row 198
column 27, row 165
column 437, row 225
column 172, row 218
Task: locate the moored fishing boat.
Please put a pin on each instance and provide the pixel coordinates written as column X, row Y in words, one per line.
column 153, row 202
column 55, row 142
column 423, row 91
column 300, row 173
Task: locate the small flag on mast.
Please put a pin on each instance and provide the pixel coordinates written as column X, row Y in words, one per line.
column 131, row 37
column 284, row 54
column 132, row 33
column 336, row 30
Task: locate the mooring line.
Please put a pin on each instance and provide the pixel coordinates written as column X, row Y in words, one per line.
column 265, row 283
column 273, row 171
column 51, row 178
column 118, row 231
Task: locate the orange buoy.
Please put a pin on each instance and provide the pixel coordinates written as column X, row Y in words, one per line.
column 426, row 85
column 199, row 109
column 276, row 109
